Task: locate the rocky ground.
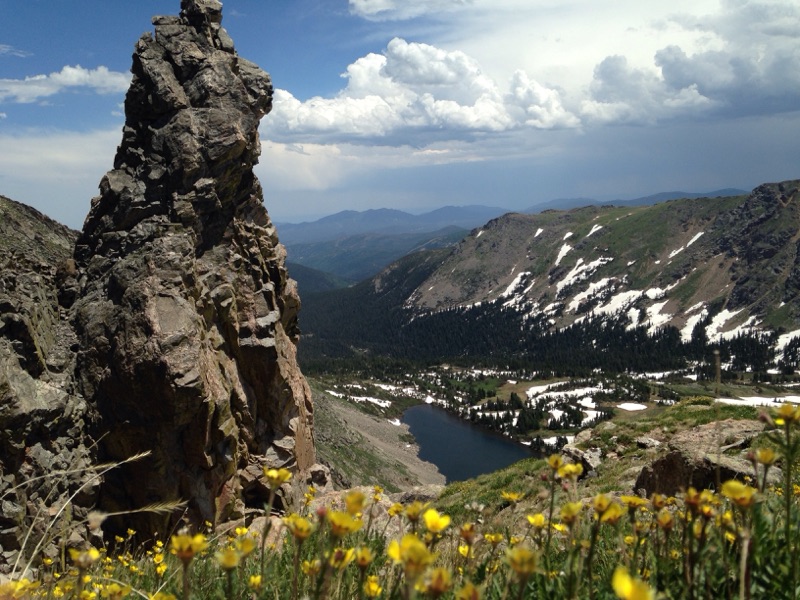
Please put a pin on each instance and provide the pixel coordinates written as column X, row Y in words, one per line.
column 363, row 449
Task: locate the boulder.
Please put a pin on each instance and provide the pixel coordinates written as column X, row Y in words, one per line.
column 695, row 458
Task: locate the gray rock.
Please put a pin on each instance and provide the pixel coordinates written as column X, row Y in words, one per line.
column 695, row 458
column 647, row 442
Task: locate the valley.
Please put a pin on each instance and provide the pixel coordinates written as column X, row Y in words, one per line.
column 543, row 416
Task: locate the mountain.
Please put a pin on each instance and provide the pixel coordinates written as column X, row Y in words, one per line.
column 384, row 221
column 568, row 203
column 313, row 281
column 360, row 256
column 622, row 287
column 353, row 245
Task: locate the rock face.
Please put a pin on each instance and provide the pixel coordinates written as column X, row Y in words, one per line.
column 171, row 329
column 187, row 318
column 43, row 424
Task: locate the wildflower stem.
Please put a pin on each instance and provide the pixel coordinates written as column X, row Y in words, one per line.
column 551, row 509
column 267, row 527
column 186, row 580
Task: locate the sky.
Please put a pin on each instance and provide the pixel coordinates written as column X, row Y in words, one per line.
column 418, row 104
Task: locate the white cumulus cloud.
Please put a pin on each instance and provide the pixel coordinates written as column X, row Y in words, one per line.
column 415, row 93
column 37, row 87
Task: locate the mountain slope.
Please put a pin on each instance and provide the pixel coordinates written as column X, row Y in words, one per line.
column 357, row 257
column 649, row 285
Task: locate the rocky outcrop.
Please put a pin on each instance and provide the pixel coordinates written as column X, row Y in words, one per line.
column 172, row 329
column 697, row 457
column 187, row 318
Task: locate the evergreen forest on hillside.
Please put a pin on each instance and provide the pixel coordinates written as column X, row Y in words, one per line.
column 353, row 329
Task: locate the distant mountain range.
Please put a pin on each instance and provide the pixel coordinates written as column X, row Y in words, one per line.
column 353, row 245
column 567, row 203
column 644, row 286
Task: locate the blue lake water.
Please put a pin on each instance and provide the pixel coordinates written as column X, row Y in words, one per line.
column 459, row 450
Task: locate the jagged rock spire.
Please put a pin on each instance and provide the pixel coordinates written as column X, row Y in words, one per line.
column 187, row 319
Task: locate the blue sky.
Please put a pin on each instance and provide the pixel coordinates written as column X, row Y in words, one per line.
column 416, row 104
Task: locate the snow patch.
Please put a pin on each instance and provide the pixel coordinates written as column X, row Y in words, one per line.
column 691, row 323
column 567, row 235
column 581, row 271
column 479, row 234
column 631, row 406
column 538, row 232
column 619, row 302
column 562, row 253
column 695, row 238
column 514, row 284
column 595, row 229
column 714, row 329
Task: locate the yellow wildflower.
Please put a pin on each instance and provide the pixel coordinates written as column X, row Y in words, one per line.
column 354, row 501
column 300, row 527
column 570, row 471
column 665, row 519
column 414, row 510
column 412, row 553
column 493, row 538
column 522, row 560
column 277, row 477
column 16, row 589
column 308, row 497
column 632, row 503
column 434, row 522
column 185, row 546
column 396, row 509
column 555, row 461
column 787, row 413
column 765, row 456
column 438, row 582
column 311, row 567
column 228, row 559
column 537, row 521
column 245, row 546
column 570, row 512
column 741, row 494
column 629, row 588
column 612, row 514
column 372, row 587
column 512, row 497
column 115, row 591
column 254, row 583
column 468, row 592
column 341, row 557
column 343, row 523
column 162, row 596
column 83, row 559
column 364, row 557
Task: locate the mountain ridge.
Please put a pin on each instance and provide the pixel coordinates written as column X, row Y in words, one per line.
column 677, row 273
